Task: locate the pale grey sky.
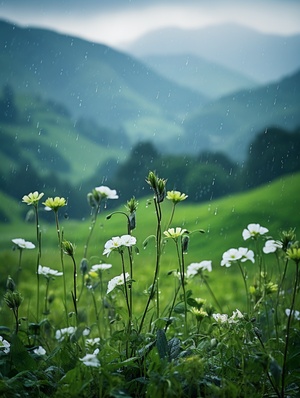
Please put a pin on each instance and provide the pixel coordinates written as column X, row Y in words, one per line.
column 121, row 21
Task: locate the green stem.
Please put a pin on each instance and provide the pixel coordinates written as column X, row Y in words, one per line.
column 280, row 284
column 74, row 294
column 157, row 266
column 39, row 255
column 19, row 265
column 287, row 337
column 125, row 285
column 171, row 216
column 93, row 223
column 174, row 301
column 212, row 294
column 180, row 257
column 96, row 312
column 46, row 310
column 59, row 235
column 246, row 287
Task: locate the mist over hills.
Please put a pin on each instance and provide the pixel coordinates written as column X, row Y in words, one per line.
column 93, row 81
column 231, row 123
column 107, row 90
column 210, row 78
column 259, row 56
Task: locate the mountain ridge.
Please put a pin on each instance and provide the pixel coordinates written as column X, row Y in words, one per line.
column 232, row 45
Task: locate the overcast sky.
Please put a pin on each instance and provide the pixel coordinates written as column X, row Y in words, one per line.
column 115, row 22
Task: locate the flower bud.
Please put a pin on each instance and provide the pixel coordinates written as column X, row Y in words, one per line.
column 158, row 185
column 10, row 284
column 84, row 266
column 68, row 248
column 13, row 299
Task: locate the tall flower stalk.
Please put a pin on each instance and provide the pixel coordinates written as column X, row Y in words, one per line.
column 49, row 274
column 68, row 248
column 55, row 204
column 21, row 244
column 158, row 186
column 95, row 199
column 118, row 244
column 177, row 235
column 33, row 199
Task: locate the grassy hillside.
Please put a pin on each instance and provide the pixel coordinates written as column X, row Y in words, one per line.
column 274, row 206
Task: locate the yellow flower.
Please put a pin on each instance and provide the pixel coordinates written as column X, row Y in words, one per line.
column 55, row 203
column 174, row 233
column 32, row 198
column 176, row 196
column 294, row 253
column 199, row 313
column 271, row 287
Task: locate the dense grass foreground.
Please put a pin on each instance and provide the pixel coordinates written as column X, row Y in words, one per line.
column 138, row 325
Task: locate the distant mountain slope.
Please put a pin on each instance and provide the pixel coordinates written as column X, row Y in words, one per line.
column 43, row 139
column 197, row 73
column 231, row 123
column 261, row 57
column 93, row 80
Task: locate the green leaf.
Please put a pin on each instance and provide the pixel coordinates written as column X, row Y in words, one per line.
column 162, row 344
column 179, row 308
column 275, row 371
column 20, row 357
column 174, row 347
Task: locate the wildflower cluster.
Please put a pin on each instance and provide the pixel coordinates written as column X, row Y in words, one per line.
column 125, row 335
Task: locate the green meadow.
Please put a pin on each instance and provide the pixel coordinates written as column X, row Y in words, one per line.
column 274, row 206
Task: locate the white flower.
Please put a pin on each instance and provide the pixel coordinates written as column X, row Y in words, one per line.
column 194, row 268
column 92, row 342
column 39, row 351
column 253, row 230
column 229, row 256
column 246, row 254
column 107, row 193
column 47, row 272
column 236, row 315
column 174, row 233
column 86, row 331
column 295, row 313
column 116, row 242
column 220, row 318
column 117, row 281
column 128, row 240
column 91, row 359
column 4, row 345
column 271, row 246
column 61, row 333
column 32, row 198
column 112, row 244
column 100, row 267
column 23, row 244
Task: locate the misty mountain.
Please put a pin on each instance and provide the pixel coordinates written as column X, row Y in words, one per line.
column 94, row 81
column 232, row 122
column 110, row 94
column 259, row 56
column 214, row 80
